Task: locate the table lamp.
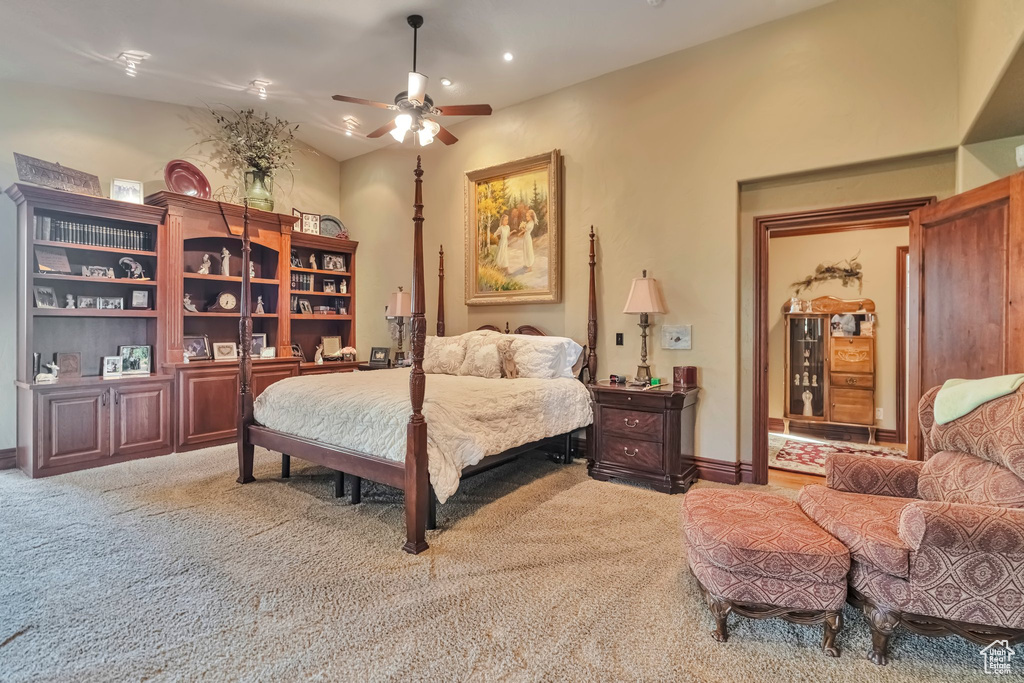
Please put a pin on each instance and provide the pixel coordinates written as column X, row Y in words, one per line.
column 644, row 298
column 400, row 308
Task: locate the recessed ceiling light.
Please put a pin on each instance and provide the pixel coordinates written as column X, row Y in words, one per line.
column 508, row 56
column 348, row 133
column 131, row 61
column 260, row 88
column 446, row 82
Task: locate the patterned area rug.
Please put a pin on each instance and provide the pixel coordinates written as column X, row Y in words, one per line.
column 808, row 455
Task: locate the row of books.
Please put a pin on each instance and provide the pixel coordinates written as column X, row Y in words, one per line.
column 93, row 235
column 302, row 282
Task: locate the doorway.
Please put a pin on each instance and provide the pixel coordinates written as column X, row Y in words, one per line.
column 816, row 421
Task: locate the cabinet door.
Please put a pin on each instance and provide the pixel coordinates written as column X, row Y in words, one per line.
column 853, row 406
column 263, row 377
column 207, row 405
column 73, row 426
column 142, row 418
column 853, row 354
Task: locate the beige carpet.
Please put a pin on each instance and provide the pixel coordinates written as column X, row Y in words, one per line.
column 166, row 569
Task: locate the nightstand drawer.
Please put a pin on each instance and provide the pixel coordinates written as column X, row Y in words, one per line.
column 847, row 379
column 640, row 455
column 635, row 424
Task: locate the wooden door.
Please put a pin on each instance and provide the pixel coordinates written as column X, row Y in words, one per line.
column 142, row 418
column 966, row 290
column 207, row 405
column 73, row 426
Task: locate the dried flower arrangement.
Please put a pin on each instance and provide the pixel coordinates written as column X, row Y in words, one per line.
column 255, row 143
column 849, row 271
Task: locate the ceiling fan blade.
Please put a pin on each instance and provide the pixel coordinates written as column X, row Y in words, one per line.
column 360, row 100
column 417, row 87
column 465, row 110
column 445, row 136
column 386, row 128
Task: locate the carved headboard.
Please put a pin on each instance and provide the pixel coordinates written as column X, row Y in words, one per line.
column 522, row 329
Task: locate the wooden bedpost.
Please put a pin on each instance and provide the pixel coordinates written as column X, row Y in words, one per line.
column 417, row 484
column 440, row 292
column 245, row 417
column 592, row 315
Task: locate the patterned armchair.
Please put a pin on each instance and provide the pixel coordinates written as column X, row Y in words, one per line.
column 936, row 546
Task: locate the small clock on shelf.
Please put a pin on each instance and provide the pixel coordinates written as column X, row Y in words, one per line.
column 226, row 302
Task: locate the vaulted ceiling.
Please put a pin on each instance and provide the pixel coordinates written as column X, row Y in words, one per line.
column 207, row 52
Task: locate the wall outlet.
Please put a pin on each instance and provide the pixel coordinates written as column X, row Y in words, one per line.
column 618, row 339
column 878, row 414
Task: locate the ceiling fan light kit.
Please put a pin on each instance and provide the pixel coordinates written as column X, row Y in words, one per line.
column 414, row 106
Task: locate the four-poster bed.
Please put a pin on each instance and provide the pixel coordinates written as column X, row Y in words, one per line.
column 410, row 475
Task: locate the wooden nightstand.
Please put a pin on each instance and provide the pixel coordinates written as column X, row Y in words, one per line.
column 644, row 436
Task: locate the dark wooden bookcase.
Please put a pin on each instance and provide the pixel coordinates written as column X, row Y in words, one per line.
column 87, row 421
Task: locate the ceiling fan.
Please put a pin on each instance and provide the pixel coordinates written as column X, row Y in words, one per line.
column 414, row 106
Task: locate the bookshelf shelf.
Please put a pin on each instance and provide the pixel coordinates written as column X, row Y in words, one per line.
column 219, row 314
column 230, row 278
column 94, row 280
column 317, row 271
column 303, row 292
column 91, row 313
column 320, row 316
column 89, row 247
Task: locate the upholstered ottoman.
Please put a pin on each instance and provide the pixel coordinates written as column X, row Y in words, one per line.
column 759, row 556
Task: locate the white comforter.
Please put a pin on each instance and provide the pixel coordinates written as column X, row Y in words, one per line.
column 468, row 418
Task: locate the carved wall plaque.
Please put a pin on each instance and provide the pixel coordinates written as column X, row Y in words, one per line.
column 49, row 174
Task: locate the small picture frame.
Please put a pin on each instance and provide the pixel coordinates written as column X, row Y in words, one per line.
column 305, row 308
column 69, row 364
column 86, row 301
column 332, row 347
column 330, row 287
column 45, row 297
column 98, row 272
column 126, row 190
column 310, row 222
column 52, row 260
column 225, row 351
column 196, row 347
column 297, row 353
column 335, row 262
column 259, row 342
column 140, row 299
column 379, row 356
column 112, row 366
column 268, row 352
column 136, row 360
column 110, row 303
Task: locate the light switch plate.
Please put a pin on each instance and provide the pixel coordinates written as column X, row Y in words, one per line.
column 618, row 339
column 1020, row 156
column 675, row 337
column 878, row 414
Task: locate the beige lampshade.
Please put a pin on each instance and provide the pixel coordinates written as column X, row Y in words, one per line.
column 644, row 296
column 400, row 304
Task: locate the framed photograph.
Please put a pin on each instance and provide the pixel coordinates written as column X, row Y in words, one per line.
column 52, row 260
column 225, row 351
column 136, row 360
column 259, row 342
column 334, row 262
column 332, row 347
column 675, row 336
column 341, row 307
column 97, row 271
column 110, row 303
column 45, row 297
column 111, row 367
column 297, row 353
column 140, row 298
column 197, row 347
column 305, row 307
column 126, row 190
column 86, row 302
column 69, row 364
column 514, row 232
column 310, row 222
column 330, row 287
column 379, row 355
column 268, row 352
column 294, row 303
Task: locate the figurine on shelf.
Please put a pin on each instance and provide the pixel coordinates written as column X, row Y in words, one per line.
column 110, row 273
column 807, row 357
column 296, row 261
column 259, row 306
column 312, row 261
column 252, row 270
column 343, row 286
column 48, row 377
column 133, row 268
column 319, row 356
column 814, row 380
column 204, row 267
column 807, row 379
column 71, row 301
column 225, row 261
column 796, row 379
column 808, row 397
column 189, row 306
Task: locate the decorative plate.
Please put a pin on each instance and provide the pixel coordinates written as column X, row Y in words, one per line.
column 332, row 227
column 184, row 178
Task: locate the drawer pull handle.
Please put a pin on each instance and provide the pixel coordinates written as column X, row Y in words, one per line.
column 631, row 454
column 626, row 421
column 851, row 380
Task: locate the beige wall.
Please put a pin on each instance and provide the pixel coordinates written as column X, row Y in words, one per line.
column 653, row 157
column 988, row 34
column 984, row 162
column 793, row 258
column 113, row 137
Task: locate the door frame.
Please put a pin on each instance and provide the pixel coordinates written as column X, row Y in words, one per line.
column 902, row 264
column 842, row 219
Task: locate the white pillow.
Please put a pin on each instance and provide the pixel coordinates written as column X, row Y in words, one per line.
column 482, row 358
column 545, row 357
column 444, row 355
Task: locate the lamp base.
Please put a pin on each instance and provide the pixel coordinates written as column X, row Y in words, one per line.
column 399, row 357
column 643, row 373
